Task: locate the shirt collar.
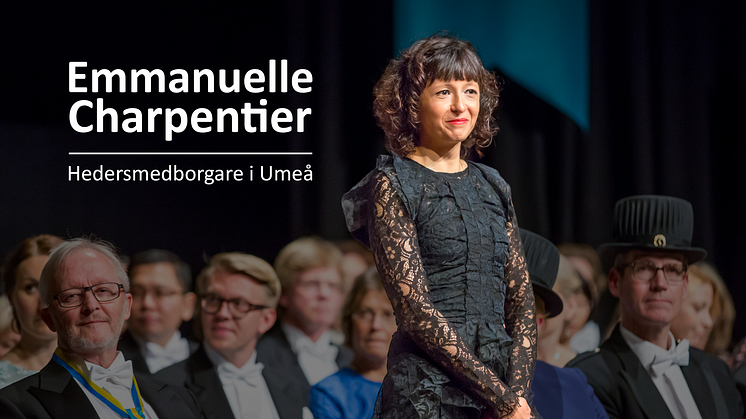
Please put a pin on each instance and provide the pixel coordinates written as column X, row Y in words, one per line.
column 298, row 339
column 644, row 350
column 218, row 360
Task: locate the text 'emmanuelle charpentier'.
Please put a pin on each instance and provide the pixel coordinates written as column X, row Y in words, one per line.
column 201, row 120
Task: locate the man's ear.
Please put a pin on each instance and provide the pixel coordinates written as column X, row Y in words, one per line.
column 269, row 316
column 284, row 300
column 187, row 310
column 47, row 318
column 614, row 278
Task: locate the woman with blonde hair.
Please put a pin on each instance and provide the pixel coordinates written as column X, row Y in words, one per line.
column 20, row 276
column 701, row 311
column 554, row 342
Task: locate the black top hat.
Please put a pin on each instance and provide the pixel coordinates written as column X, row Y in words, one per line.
column 542, row 258
column 653, row 223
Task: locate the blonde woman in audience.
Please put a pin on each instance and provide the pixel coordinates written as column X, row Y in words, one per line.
column 20, row 274
column 8, row 337
column 722, row 329
column 554, row 344
column 700, row 311
column 585, row 334
column 368, row 322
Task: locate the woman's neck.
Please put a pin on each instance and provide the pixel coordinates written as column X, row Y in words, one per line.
column 444, row 161
column 373, row 371
column 31, row 354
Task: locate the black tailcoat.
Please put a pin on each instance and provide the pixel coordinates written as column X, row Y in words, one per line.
column 54, row 394
column 199, row 375
column 627, row 391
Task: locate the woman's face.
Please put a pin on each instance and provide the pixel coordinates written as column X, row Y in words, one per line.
column 448, row 112
column 694, row 321
column 373, row 324
column 582, row 313
column 25, row 298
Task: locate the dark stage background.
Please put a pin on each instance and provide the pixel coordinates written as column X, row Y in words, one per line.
column 668, row 94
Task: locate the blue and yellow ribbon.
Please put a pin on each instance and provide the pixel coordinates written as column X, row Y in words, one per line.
column 100, row 393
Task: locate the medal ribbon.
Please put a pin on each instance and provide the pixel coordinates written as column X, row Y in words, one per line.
column 100, row 393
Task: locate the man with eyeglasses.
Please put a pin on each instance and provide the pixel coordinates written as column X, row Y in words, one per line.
column 238, row 294
column 641, row 371
column 161, row 301
column 310, row 304
column 85, row 299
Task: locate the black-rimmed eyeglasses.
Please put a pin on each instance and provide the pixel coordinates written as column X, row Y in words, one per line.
column 644, row 271
column 104, row 292
column 238, row 307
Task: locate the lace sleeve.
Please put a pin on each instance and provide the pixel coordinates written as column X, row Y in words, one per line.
column 393, row 239
column 520, row 322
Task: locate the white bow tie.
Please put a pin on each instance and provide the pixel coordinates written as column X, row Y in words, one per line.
column 252, row 375
column 325, row 352
column 174, row 353
column 119, row 373
column 661, row 362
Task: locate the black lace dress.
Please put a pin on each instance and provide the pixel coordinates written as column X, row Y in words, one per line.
column 450, row 257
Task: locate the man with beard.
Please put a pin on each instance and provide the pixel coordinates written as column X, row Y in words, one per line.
column 87, row 376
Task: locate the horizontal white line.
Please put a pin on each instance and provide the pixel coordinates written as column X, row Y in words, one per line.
column 190, row 153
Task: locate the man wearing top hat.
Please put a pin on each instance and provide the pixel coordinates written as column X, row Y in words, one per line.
column 559, row 393
column 641, row 371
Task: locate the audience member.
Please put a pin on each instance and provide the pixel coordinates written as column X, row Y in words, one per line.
column 554, row 345
column 722, row 330
column 355, row 260
column 585, row 336
column 87, row 377
column 238, row 295
column 161, row 300
column 21, row 273
column 695, row 319
column 558, row 392
column 369, row 323
column 311, row 301
column 641, row 371
column 8, row 336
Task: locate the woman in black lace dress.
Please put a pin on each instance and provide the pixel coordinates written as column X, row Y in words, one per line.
column 446, row 243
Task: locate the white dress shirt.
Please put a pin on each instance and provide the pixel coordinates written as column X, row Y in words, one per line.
column 664, row 369
column 244, row 387
column 587, row 339
column 159, row 357
column 318, row 360
column 116, row 380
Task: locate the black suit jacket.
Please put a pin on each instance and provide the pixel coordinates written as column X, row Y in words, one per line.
column 274, row 350
column 131, row 351
column 627, row 391
column 199, row 375
column 54, row 394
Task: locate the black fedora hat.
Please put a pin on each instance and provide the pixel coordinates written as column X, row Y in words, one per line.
column 653, row 223
column 542, row 258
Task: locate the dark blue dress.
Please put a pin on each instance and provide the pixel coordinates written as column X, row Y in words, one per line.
column 450, row 257
column 564, row 393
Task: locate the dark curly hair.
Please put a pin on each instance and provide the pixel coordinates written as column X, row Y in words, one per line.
column 442, row 56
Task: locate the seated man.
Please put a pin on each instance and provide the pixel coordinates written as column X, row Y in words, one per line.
column 558, row 392
column 238, row 295
column 161, row 300
column 641, row 371
column 87, row 376
column 311, row 302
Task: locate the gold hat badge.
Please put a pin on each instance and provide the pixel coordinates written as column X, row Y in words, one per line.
column 659, row 240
